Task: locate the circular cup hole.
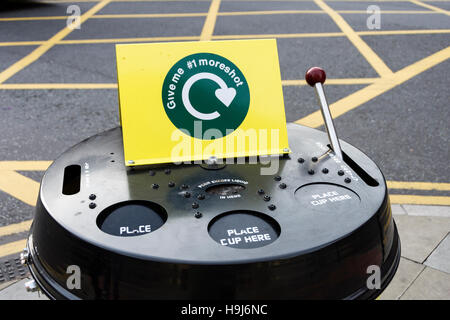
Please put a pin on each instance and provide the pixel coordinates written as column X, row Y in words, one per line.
column 326, row 197
column 131, row 218
column 244, row 229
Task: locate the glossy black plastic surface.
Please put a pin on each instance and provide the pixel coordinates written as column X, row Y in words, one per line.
column 325, row 223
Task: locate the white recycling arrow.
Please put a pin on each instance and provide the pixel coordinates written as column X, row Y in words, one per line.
column 224, row 94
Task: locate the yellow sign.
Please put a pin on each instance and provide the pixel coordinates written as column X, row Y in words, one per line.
column 189, row 101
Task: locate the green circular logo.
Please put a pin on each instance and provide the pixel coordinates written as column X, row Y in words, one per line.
column 206, row 96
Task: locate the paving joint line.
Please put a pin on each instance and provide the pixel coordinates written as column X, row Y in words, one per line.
column 442, row 240
column 412, row 282
column 404, row 209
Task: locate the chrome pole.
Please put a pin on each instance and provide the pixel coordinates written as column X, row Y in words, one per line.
column 315, row 77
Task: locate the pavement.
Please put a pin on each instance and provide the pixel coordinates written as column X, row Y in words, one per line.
column 424, row 270
column 388, row 90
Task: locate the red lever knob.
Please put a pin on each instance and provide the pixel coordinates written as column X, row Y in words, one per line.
column 314, row 75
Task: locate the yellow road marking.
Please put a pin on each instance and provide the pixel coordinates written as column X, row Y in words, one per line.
column 389, row 11
column 149, row 15
column 410, row 185
column 34, row 18
column 15, row 228
column 21, row 43
column 12, row 247
column 379, row 87
column 210, row 22
column 380, row 67
column 19, row 186
column 346, row 81
column 401, row 32
column 60, row 86
column 423, row 200
column 113, row 16
column 428, row 6
column 237, row 36
column 202, row 14
column 286, row 35
column 269, row 12
column 24, row 165
column 119, row 40
column 97, row 86
column 47, row 45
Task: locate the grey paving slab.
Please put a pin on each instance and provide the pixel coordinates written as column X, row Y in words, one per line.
column 397, row 209
column 30, row 30
column 440, row 258
column 17, row 291
column 384, row 5
column 420, row 236
column 431, row 192
column 39, row 9
column 400, row 51
column 337, row 56
column 10, row 55
column 405, row 130
column 406, row 273
column 227, row 6
column 141, row 7
column 134, row 28
column 399, row 21
column 6, row 284
column 278, row 23
column 431, row 284
column 433, row 211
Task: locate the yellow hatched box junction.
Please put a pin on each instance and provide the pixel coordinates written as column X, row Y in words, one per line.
column 190, row 101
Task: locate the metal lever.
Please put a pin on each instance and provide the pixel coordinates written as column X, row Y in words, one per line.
column 315, row 77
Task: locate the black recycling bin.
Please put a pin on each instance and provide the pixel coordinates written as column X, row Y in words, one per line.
column 312, row 230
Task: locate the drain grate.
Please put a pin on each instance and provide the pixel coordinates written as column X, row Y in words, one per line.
column 12, row 269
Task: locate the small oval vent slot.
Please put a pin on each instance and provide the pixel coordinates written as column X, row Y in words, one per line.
column 72, row 180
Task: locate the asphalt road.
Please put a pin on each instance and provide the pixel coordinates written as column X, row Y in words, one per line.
column 405, row 129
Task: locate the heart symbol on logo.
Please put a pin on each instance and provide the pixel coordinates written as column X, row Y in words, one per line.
column 226, row 96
